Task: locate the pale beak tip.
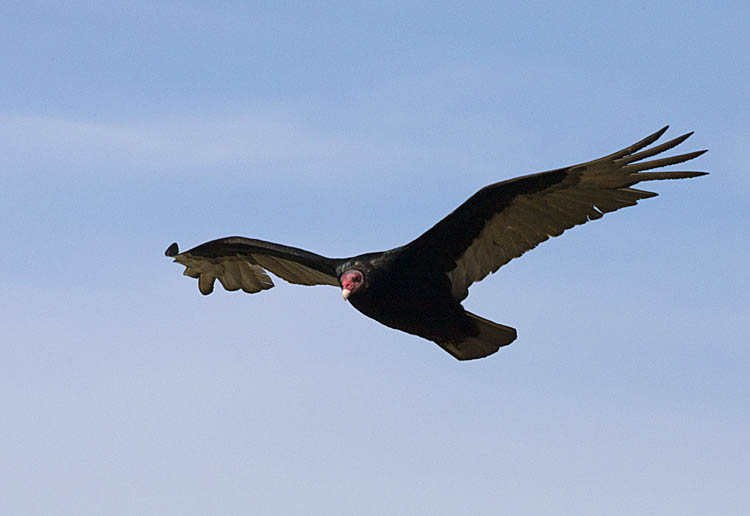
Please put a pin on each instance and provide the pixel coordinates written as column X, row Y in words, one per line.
column 346, row 293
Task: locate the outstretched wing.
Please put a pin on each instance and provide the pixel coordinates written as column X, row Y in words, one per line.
column 241, row 263
column 504, row 220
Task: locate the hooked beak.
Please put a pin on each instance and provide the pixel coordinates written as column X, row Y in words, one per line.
column 346, row 293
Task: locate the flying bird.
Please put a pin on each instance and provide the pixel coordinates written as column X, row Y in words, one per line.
column 418, row 287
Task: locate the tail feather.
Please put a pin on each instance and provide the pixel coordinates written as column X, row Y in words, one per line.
column 492, row 336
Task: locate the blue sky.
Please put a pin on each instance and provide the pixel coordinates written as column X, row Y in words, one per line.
column 344, row 128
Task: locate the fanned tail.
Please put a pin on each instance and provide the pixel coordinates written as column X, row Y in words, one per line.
column 492, row 336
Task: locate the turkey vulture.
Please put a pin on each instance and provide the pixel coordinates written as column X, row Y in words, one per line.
column 418, row 287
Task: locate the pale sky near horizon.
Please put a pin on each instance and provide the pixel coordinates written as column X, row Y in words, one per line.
column 344, row 128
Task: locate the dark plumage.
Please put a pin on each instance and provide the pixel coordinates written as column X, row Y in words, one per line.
column 418, row 287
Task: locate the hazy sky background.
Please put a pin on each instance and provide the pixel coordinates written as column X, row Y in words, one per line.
column 342, row 129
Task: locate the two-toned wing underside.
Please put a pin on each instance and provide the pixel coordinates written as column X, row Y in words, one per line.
column 498, row 223
column 241, row 263
column 504, row 220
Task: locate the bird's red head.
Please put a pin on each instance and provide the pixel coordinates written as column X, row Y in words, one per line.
column 351, row 281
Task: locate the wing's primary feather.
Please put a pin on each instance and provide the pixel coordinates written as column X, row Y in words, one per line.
column 504, row 220
column 241, row 263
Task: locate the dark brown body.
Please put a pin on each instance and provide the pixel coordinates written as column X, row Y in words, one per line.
column 421, row 306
